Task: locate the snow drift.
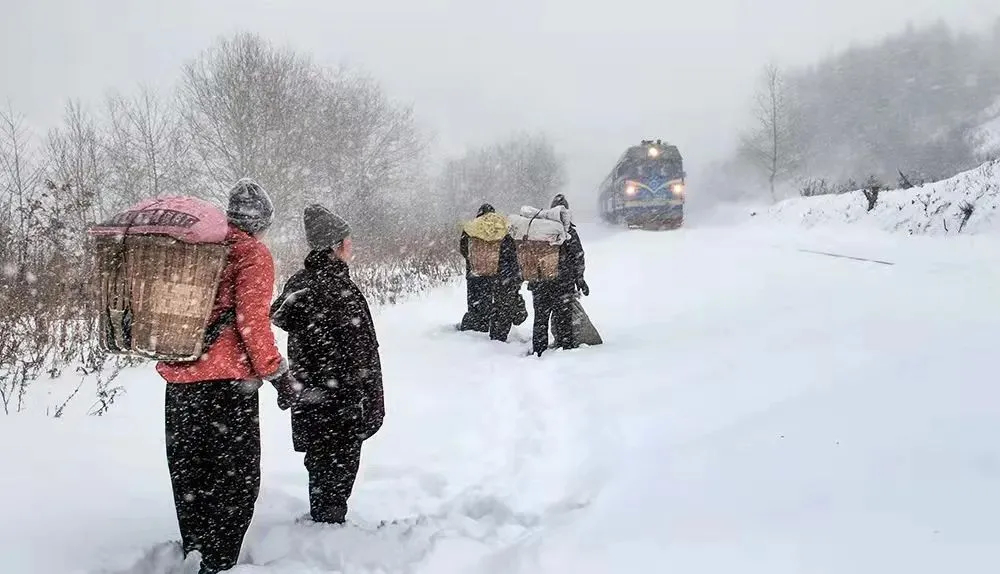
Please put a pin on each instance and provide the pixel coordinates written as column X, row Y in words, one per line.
column 966, row 203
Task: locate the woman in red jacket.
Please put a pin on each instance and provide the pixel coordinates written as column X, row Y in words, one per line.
column 212, row 424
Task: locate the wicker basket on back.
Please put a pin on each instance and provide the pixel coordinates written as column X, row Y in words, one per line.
column 484, row 257
column 539, row 238
column 158, row 269
column 485, row 232
column 538, row 259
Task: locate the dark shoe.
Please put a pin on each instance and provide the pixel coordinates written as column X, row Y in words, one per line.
column 329, row 517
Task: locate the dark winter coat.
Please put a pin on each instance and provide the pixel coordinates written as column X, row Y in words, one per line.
column 509, row 269
column 572, row 262
column 332, row 352
column 463, row 248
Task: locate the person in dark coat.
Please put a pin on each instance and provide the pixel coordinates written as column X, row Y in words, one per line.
column 494, row 303
column 333, row 353
column 479, row 290
column 553, row 299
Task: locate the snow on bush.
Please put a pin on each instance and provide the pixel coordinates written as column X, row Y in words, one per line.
column 392, row 282
column 966, row 203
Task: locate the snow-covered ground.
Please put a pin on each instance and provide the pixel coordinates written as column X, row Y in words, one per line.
column 757, row 407
column 937, row 208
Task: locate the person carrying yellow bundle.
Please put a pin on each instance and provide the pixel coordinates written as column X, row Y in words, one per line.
column 492, row 274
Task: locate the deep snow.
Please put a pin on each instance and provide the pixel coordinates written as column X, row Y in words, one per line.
column 756, row 408
column 932, row 209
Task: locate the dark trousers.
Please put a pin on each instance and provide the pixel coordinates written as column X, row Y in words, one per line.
column 332, row 468
column 553, row 300
column 504, row 309
column 213, row 453
column 479, row 295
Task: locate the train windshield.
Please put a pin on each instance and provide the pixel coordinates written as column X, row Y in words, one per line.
column 646, row 167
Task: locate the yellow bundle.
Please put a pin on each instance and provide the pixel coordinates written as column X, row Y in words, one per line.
column 489, row 227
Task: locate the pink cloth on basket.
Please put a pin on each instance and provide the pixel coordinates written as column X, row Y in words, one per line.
column 184, row 218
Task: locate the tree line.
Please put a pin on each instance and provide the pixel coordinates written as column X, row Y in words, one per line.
column 905, row 110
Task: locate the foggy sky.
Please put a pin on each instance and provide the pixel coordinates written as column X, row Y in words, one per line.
column 597, row 75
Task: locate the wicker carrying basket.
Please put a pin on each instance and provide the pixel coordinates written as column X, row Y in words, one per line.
column 539, row 260
column 484, row 257
column 156, row 294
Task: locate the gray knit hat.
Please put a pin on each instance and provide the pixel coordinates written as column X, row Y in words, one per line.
column 250, row 208
column 324, row 229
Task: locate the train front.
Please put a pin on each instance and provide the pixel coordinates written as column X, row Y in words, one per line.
column 653, row 188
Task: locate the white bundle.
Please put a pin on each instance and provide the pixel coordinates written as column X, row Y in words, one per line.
column 557, row 213
column 548, row 225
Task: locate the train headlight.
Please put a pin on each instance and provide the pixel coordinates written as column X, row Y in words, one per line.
column 653, row 152
column 678, row 189
column 631, row 188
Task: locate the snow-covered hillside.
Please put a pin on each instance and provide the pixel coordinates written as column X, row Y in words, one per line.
column 756, row 408
column 934, row 209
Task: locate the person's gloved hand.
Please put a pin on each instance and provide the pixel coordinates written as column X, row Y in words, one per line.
column 288, row 390
column 583, row 287
column 372, row 416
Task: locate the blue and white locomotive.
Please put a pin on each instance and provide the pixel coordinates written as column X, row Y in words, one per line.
column 646, row 188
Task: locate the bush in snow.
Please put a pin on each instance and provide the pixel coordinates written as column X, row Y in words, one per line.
column 871, row 190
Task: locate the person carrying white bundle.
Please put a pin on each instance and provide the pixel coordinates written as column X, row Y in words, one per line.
column 553, row 298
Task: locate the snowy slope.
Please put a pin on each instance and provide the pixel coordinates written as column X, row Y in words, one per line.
column 934, row 209
column 756, row 408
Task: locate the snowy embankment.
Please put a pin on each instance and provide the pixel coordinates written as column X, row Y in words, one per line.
column 938, row 208
column 755, row 408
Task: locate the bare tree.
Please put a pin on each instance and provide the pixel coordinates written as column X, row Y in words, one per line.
column 307, row 133
column 368, row 152
column 243, row 102
column 147, row 148
column 19, row 177
column 76, row 160
column 524, row 168
column 769, row 145
column 534, row 169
